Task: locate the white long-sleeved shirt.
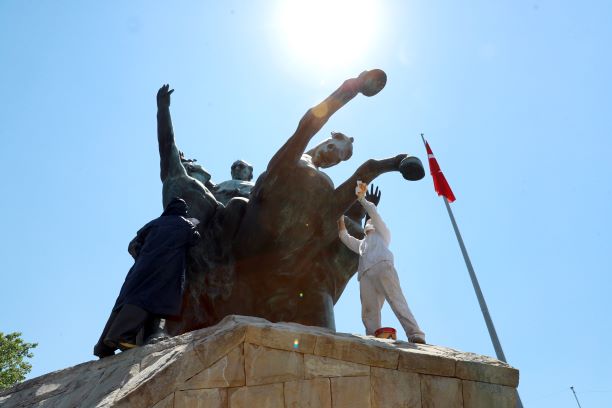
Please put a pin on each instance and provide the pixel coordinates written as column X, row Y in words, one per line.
column 374, row 247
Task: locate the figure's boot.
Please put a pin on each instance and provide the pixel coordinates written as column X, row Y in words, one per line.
column 417, row 339
column 155, row 331
column 124, row 330
column 101, row 350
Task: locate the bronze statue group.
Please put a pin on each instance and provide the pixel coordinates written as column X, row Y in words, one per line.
column 249, row 248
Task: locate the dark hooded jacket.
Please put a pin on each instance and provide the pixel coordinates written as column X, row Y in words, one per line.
column 157, row 279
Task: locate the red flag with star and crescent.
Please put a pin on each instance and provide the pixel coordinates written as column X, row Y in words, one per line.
column 440, row 184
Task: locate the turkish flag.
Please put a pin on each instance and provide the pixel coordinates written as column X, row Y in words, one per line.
column 440, row 184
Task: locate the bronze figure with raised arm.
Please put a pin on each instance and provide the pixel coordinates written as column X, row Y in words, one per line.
column 277, row 254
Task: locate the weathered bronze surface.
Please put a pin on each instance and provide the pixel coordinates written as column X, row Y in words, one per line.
column 276, row 254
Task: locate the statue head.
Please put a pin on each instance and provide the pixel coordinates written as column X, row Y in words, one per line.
column 242, row 170
column 332, row 151
column 195, row 170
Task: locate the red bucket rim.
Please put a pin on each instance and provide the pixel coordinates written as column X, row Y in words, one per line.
column 385, row 330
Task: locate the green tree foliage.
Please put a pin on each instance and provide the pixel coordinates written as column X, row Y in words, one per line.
column 13, row 352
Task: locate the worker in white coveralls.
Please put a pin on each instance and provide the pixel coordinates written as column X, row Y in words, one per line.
column 377, row 276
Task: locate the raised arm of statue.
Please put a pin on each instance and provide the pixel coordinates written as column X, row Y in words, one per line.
column 368, row 171
column 368, row 83
column 170, row 160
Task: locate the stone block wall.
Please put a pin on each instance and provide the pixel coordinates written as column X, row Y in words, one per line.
column 247, row 362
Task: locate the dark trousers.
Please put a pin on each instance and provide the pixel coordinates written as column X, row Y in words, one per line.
column 123, row 325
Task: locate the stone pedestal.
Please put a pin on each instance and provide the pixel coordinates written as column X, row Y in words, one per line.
column 252, row 363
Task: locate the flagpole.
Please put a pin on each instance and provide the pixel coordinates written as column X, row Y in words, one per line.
column 481, row 301
column 499, row 352
column 575, row 396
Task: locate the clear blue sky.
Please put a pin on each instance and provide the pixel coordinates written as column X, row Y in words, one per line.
column 514, row 97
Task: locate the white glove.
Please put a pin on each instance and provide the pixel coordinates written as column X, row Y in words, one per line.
column 361, row 190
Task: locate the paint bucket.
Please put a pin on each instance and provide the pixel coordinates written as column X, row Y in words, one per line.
column 386, row 333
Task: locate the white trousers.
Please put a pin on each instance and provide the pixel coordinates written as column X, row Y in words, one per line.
column 380, row 283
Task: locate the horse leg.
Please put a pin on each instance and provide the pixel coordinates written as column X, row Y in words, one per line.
column 344, row 196
column 314, row 119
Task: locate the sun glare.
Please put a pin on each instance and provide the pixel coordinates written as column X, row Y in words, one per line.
column 328, row 32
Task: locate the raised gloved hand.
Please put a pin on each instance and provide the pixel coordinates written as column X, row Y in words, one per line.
column 372, row 196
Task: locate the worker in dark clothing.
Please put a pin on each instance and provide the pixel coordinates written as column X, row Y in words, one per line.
column 154, row 285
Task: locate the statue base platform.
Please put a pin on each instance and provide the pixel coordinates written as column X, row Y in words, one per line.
column 250, row 362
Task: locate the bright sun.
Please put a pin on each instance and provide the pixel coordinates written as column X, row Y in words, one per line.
column 328, row 32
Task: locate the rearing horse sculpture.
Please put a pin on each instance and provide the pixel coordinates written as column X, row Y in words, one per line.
column 276, row 255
